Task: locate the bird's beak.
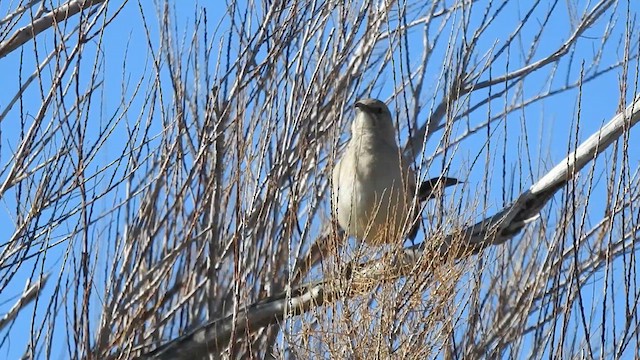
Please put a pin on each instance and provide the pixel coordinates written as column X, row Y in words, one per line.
column 360, row 105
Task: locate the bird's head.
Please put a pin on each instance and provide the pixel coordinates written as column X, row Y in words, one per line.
column 373, row 117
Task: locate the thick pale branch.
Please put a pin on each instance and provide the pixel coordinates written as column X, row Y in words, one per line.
column 508, row 222
column 59, row 14
column 29, row 294
column 214, row 336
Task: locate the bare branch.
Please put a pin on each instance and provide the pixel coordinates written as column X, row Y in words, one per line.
column 55, row 16
column 30, row 293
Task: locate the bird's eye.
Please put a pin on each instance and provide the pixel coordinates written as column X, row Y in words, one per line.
column 378, row 110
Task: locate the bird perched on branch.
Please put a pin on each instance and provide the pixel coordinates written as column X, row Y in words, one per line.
column 374, row 189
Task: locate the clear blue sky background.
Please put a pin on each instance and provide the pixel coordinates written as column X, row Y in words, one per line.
column 550, row 123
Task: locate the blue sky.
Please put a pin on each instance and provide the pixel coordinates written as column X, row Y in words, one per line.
column 550, row 124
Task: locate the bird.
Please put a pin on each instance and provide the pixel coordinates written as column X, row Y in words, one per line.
column 374, row 197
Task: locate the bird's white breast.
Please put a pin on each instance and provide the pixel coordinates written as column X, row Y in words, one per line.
column 375, row 192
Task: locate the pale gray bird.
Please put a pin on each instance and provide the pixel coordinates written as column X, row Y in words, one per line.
column 374, row 188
